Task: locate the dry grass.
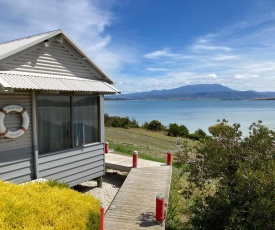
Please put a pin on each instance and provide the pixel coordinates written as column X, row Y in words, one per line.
column 149, row 143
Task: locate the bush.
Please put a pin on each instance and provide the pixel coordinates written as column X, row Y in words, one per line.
column 176, row 130
column 154, row 125
column 243, row 170
column 44, row 206
column 120, row 122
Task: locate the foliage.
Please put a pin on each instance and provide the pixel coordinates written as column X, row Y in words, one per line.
column 122, row 122
column 197, row 135
column 176, row 130
column 200, row 132
column 55, row 183
column 46, row 206
column 239, row 174
column 154, row 125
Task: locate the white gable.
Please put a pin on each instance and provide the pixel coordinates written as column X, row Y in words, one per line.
column 63, row 57
column 53, row 60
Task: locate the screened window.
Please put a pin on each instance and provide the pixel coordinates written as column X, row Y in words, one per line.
column 85, row 120
column 66, row 122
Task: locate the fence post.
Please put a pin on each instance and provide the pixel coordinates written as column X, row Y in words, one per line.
column 99, row 182
column 101, row 217
column 135, row 159
column 178, row 141
column 169, row 158
column 106, row 147
column 159, row 208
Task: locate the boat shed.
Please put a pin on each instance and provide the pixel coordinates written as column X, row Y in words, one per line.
column 51, row 111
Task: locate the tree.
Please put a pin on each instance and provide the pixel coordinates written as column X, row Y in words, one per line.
column 176, row 130
column 200, row 133
column 155, row 125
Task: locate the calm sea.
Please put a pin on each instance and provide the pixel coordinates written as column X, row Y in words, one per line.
column 195, row 114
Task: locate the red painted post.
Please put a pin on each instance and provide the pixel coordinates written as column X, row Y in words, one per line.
column 101, row 217
column 159, row 208
column 135, row 159
column 169, row 158
column 106, row 147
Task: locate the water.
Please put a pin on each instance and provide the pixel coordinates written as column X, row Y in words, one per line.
column 195, row 114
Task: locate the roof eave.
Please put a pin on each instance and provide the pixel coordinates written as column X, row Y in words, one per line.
column 105, row 77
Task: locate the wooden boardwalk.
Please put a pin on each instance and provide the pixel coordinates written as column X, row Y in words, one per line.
column 134, row 205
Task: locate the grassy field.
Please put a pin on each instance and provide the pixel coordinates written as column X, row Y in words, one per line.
column 150, row 145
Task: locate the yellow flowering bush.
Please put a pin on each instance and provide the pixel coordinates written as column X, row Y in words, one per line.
column 42, row 206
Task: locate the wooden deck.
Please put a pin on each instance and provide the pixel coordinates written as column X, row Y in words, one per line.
column 134, row 205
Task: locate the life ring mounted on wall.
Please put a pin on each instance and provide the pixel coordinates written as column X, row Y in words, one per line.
column 25, row 124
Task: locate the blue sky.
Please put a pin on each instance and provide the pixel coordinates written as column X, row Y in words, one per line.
column 155, row 44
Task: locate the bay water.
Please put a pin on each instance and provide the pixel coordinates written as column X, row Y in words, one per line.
column 195, row 114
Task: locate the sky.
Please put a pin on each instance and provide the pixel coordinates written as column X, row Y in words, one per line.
column 145, row 45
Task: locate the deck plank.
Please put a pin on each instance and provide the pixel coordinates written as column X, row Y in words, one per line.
column 134, row 204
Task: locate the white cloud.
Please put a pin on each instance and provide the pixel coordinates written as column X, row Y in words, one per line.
column 212, row 75
column 240, row 76
column 225, row 57
column 159, row 54
column 198, row 47
column 156, row 69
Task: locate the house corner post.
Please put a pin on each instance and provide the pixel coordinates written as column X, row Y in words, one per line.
column 35, row 141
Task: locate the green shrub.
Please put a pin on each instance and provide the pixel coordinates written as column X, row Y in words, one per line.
column 46, row 206
column 155, row 125
column 176, row 130
column 243, row 170
column 120, row 122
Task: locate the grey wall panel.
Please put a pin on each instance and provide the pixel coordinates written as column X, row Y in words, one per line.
column 70, row 153
column 16, row 155
column 59, row 175
column 82, row 160
column 13, row 174
column 73, row 166
column 21, row 179
column 80, row 180
column 13, row 120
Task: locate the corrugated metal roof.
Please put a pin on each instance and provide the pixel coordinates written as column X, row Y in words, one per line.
column 38, row 82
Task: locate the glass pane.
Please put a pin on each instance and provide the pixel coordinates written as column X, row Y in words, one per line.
column 54, row 127
column 85, row 120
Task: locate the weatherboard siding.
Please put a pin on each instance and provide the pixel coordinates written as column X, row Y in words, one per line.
column 58, row 59
column 73, row 166
column 16, row 155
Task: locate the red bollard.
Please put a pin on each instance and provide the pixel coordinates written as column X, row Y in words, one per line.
column 106, row 147
column 159, row 208
column 101, row 217
column 135, row 159
column 169, row 158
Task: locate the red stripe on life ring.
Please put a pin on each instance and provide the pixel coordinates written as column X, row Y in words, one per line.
column 3, row 111
column 4, row 133
column 23, row 129
column 23, row 111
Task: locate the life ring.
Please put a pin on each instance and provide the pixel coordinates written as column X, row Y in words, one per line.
column 13, row 134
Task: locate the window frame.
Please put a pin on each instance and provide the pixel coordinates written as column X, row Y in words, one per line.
column 71, row 96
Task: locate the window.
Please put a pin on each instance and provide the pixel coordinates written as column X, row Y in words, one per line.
column 66, row 122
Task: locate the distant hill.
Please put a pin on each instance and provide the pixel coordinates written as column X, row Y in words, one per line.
column 200, row 91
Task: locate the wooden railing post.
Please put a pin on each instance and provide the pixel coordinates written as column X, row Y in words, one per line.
column 106, row 147
column 135, row 159
column 159, row 208
column 169, row 158
column 101, row 217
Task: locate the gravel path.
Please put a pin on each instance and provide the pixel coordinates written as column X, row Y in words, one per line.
column 112, row 182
